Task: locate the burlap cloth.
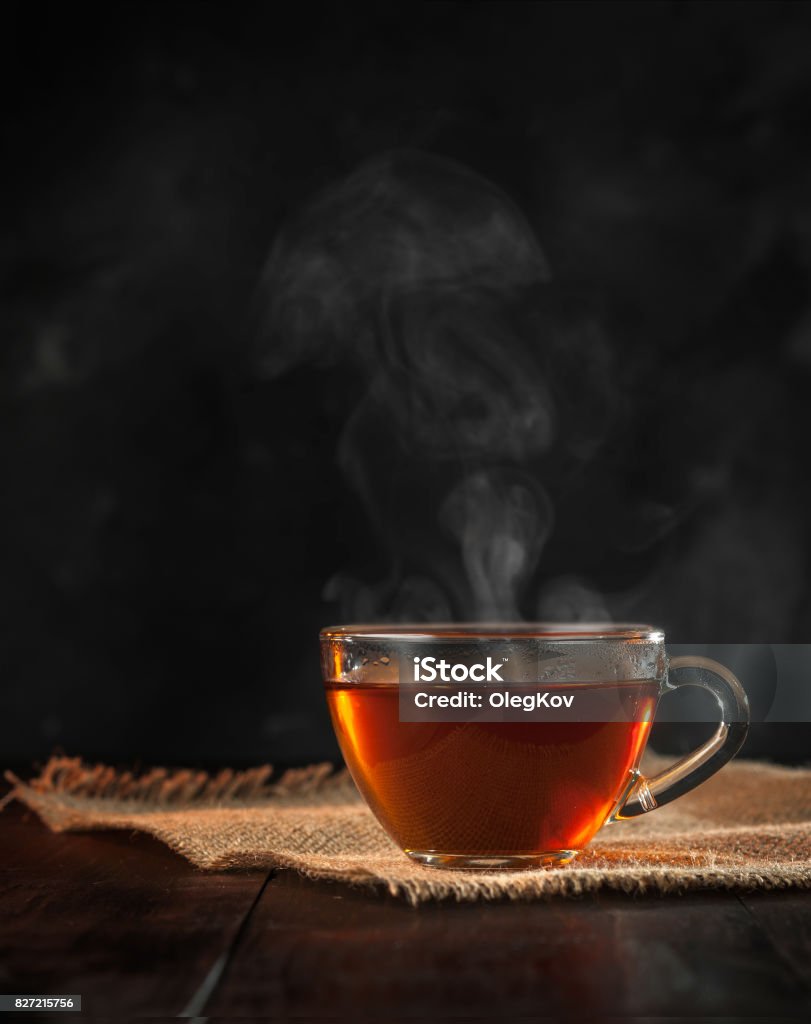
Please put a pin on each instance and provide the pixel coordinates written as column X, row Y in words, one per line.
column 749, row 827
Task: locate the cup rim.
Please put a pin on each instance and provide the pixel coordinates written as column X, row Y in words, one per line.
column 560, row 632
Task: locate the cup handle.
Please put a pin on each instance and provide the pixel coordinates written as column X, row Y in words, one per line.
column 699, row 765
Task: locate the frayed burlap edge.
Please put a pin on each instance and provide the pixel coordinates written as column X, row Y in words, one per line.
column 70, row 782
column 430, row 885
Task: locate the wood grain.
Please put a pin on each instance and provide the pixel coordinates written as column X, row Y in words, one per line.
column 316, row 948
column 785, row 919
column 118, row 919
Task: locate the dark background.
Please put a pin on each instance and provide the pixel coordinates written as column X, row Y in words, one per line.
column 181, row 507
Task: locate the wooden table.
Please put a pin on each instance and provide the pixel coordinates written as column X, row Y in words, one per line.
column 136, row 931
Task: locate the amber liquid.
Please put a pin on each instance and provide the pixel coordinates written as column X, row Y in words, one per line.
column 487, row 788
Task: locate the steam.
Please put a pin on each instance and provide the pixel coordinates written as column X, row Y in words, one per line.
column 501, row 528
column 425, row 279
column 571, row 599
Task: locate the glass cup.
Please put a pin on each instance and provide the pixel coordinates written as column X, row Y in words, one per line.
column 510, row 746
